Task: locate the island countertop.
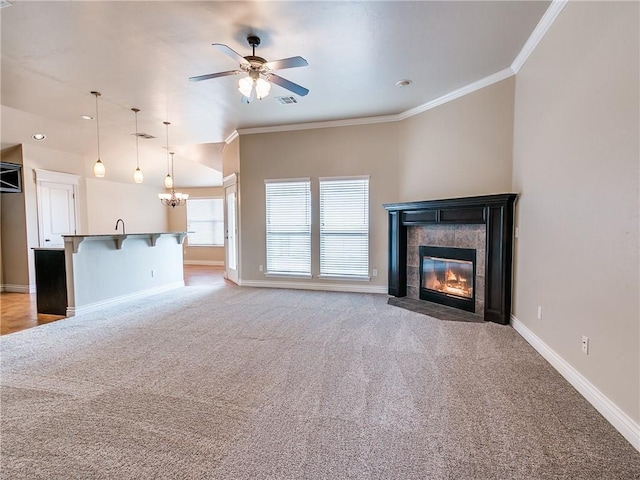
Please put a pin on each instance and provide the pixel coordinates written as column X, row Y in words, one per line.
column 119, row 238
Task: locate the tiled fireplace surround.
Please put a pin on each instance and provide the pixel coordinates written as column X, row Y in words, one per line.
column 459, row 236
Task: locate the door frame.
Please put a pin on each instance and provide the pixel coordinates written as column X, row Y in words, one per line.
column 228, row 182
column 61, row 178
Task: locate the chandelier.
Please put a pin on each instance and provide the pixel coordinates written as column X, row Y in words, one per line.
column 173, row 199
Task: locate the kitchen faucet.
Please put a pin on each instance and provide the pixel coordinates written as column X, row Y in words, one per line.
column 117, row 222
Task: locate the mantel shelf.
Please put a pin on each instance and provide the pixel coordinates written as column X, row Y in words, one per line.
column 118, row 239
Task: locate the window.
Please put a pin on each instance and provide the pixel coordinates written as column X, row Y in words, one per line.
column 288, row 208
column 205, row 222
column 344, row 227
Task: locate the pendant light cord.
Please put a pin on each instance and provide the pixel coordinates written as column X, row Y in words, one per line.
column 97, row 123
column 137, row 155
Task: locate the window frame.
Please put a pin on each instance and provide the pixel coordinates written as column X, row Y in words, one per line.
column 344, row 276
column 215, row 221
column 275, row 272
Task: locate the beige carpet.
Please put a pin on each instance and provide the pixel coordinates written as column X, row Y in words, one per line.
column 246, row 383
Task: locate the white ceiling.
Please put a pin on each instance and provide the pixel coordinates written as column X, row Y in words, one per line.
column 140, row 54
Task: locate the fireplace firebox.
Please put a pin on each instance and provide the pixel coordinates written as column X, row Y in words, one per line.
column 447, row 276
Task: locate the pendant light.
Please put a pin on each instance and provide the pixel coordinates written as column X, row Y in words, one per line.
column 98, row 167
column 137, row 174
column 173, row 199
column 168, row 180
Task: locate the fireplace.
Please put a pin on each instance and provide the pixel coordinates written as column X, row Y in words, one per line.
column 483, row 223
column 448, row 276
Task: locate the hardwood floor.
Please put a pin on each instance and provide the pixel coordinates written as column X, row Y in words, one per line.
column 18, row 310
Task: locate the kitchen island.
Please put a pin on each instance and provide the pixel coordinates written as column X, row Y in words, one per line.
column 103, row 270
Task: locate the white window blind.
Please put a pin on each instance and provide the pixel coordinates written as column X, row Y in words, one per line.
column 344, row 227
column 205, row 221
column 288, row 208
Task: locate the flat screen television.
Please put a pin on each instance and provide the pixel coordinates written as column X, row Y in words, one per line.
column 10, row 177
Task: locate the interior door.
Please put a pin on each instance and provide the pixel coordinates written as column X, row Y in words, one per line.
column 56, row 209
column 231, row 230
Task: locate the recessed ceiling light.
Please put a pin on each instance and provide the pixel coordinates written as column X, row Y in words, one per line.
column 403, row 83
column 86, row 117
column 38, row 136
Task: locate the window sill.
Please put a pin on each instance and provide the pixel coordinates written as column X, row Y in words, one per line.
column 345, row 277
column 288, row 275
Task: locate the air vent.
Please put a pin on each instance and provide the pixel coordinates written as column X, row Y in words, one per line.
column 287, row 100
column 146, row 136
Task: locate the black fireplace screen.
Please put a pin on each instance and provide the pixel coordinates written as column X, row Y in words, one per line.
column 448, row 276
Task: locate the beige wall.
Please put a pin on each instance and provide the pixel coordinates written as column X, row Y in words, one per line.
column 231, row 158
column 358, row 150
column 576, row 152
column 461, row 148
column 178, row 223
column 15, row 263
column 23, row 209
column 137, row 205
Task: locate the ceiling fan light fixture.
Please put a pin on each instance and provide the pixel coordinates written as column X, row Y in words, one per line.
column 245, row 86
column 263, row 87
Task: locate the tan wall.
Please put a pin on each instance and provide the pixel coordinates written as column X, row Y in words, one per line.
column 231, row 158
column 32, row 158
column 178, row 223
column 460, row 148
column 358, row 150
column 576, row 152
column 15, row 263
column 137, row 205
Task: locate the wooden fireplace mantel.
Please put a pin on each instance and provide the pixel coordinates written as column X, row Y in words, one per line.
column 494, row 211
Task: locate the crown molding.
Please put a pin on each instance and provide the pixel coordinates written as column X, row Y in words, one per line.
column 312, row 125
column 461, row 92
column 545, row 22
column 232, row 136
column 541, row 29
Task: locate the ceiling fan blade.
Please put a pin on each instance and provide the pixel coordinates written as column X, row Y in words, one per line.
column 291, row 62
column 214, row 75
column 289, row 85
column 231, row 52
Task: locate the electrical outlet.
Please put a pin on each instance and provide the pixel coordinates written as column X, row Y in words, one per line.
column 585, row 345
column 375, row 272
column 261, row 268
column 539, row 312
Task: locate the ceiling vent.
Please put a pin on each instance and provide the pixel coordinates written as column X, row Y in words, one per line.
column 146, row 136
column 287, row 100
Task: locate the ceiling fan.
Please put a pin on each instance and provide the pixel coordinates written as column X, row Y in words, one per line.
column 259, row 71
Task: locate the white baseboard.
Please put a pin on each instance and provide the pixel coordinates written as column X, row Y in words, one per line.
column 328, row 287
column 13, row 288
column 92, row 307
column 609, row 410
column 214, row 263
